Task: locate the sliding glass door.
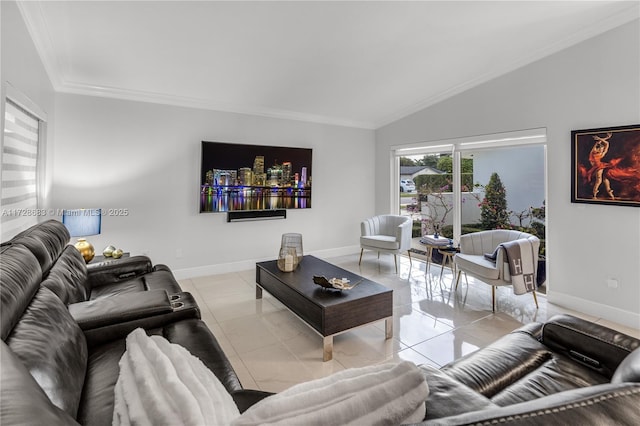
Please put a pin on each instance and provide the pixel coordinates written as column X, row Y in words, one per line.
column 475, row 184
column 425, row 193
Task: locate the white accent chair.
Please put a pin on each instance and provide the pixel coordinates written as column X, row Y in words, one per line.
column 472, row 261
column 387, row 234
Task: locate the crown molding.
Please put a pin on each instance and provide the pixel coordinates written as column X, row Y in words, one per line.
column 205, row 104
column 36, row 24
column 623, row 17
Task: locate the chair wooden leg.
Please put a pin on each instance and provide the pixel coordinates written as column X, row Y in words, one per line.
column 458, row 280
column 360, row 261
column 493, row 298
column 409, row 253
column 395, row 259
column 535, row 298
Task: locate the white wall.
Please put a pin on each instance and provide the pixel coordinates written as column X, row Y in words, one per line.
column 146, row 158
column 22, row 68
column 593, row 84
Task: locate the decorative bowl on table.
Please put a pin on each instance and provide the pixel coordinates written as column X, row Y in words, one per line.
column 334, row 283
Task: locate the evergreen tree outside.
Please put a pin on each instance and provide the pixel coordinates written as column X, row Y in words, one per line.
column 494, row 212
column 406, row 161
column 429, row 160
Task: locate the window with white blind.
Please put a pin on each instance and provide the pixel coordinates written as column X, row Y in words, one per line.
column 20, row 172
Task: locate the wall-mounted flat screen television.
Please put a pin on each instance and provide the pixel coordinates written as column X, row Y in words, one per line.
column 254, row 177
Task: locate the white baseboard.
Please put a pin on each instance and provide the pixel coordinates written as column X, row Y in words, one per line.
column 223, row 268
column 599, row 310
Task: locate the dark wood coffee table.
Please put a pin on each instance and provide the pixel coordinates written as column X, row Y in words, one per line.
column 328, row 312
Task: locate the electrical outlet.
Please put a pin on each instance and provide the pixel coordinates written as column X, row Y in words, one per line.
column 612, row 283
column 178, row 253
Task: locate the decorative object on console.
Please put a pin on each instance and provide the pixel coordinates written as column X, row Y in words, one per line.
column 435, row 240
column 604, row 166
column 293, row 241
column 108, row 251
column 290, row 254
column 101, row 258
column 334, row 283
column 287, row 259
column 83, row 223
column 117, row 253
column 239, row 177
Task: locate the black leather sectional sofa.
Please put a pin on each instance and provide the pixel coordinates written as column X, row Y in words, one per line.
column 64, row 325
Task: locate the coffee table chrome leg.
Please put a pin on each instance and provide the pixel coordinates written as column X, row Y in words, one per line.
column 258, row 292
column 388, row 328
column 327, row 348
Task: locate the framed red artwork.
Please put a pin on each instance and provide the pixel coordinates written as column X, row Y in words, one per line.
column 605, row 166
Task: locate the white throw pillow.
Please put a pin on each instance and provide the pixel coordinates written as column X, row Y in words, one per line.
column 388, row 394
column 163, row 383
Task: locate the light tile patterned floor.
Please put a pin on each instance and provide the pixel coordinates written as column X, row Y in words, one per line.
column 271, row 349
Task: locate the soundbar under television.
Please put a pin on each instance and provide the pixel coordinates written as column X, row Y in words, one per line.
column 254, row 177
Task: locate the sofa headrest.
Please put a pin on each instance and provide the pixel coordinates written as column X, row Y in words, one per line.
column 590, row 344
column 20, row 278
column 68, row 277
column 45, row 240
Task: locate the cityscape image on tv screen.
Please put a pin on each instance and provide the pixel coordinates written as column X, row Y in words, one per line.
column 254, row 177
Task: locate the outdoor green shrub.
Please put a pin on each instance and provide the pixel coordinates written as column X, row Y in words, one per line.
column 493, row 207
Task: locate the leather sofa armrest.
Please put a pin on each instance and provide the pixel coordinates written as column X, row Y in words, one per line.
column 120, row 308
column 148, row 310
column 161, row 267
column 245, row 398
column 588, row 343
column 606, row 404
column 123, row 269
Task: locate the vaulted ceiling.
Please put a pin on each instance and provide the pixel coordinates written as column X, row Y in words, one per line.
column 357, row 63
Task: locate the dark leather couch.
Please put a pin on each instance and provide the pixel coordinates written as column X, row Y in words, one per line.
column 565, row 371
column 64, row 325
column 65, row 273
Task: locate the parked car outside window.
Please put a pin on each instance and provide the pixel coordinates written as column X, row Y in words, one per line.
column 407, row 185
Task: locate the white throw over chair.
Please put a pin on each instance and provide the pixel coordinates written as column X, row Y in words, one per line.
column 387, row 234
column 472, row 260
